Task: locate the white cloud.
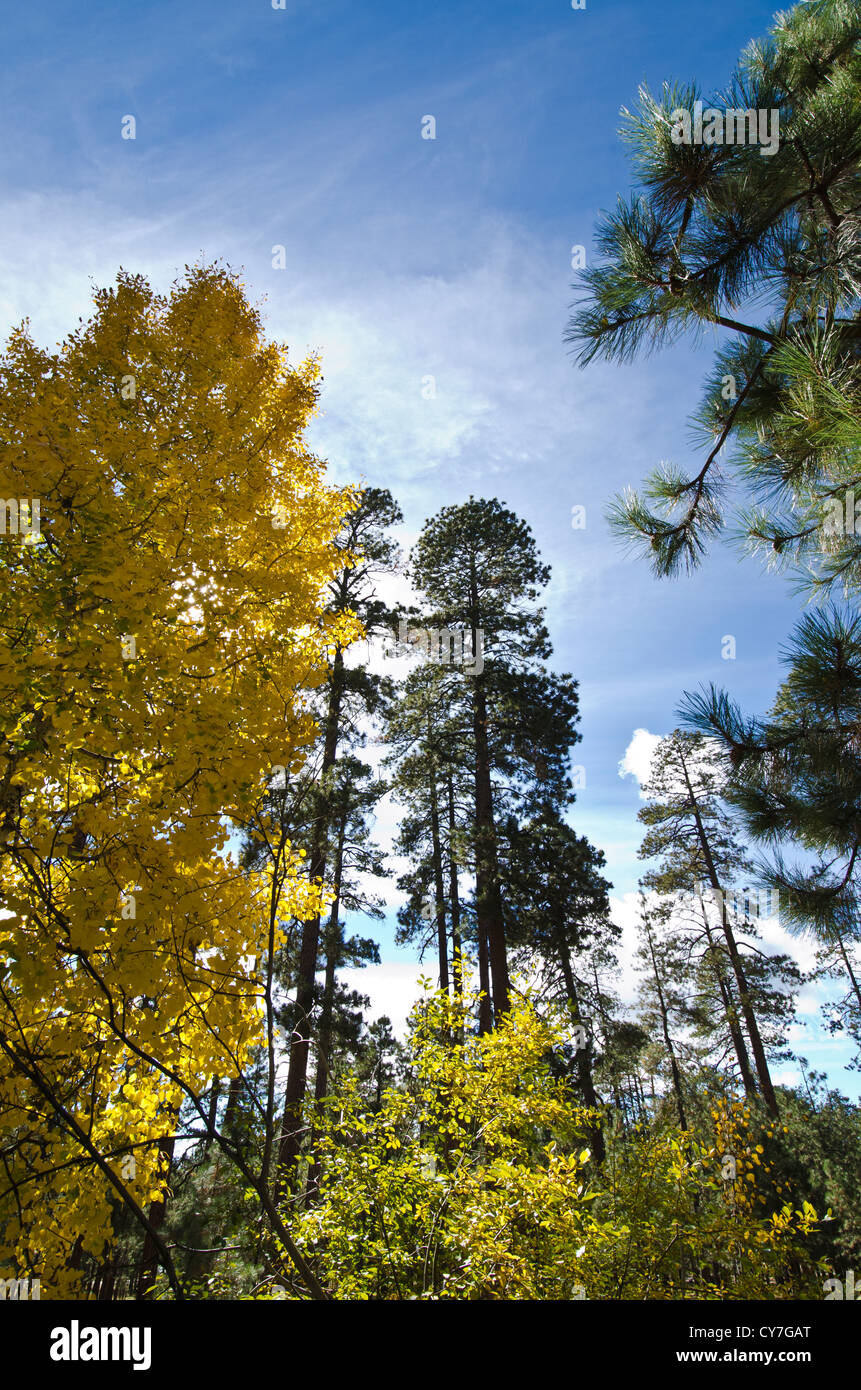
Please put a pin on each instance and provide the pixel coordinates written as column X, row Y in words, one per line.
column 392, row 987
column 802, row 949
column 639, row 754
column 786, row 1076
column 625, row 912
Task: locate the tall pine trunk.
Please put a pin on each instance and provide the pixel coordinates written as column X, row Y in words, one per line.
column 454, row 896
column 232, row 1107
column 617, row 1098
column 848, row 964
column 584, row 1066
column 488, row 896
column 756, row 1043
column 324, row 1040
column 730, row 1010
column 297, row 1073
column 665, row 1029
column 487, row 891
column 439, row 885
column 212, row 1114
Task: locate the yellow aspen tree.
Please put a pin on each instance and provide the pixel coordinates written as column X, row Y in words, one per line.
column 161, row 622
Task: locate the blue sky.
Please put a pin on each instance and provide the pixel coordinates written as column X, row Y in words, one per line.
column 408, row 258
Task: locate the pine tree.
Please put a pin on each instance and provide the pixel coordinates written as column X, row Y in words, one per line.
column 558, row 908
column 795, row 778
column 717, row 231
column 351, row 695
column 352, row 797
column 666, row 991
column 478, row 567
column 693, row 832
column 427, row 734
column 380, row 1061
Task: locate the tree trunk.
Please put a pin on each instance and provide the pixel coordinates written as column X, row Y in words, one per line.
column 584, row 1064
column 487, row 892
column 212, row 1114
column 439, row 886
column 324, row 1032
column 850, row 972
column 617, row 1099
column 665, row 1029
column 751, row 1024
column 149, row 1258
column 485, row 1006
column 488, row 897
column 730, row 1010
column 107, row 1280
column 454, row 897
column 232, row 1104
column 324, row 1041
column 297, row 1074
column 759, row 1057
